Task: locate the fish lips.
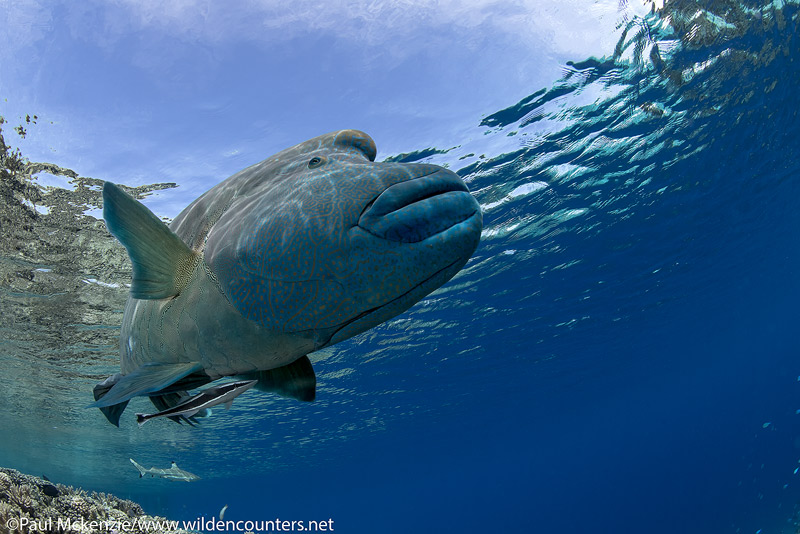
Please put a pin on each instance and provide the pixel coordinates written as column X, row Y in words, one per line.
column 416, row 209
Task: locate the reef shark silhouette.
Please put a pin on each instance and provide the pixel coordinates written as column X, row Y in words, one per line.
column 172, row 473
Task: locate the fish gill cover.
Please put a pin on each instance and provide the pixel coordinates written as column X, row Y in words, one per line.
column 658, row 128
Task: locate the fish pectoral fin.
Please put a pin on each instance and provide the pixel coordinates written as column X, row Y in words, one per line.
column 148, row 378
column 296, row 380
column 228, row 404
column 162, row 262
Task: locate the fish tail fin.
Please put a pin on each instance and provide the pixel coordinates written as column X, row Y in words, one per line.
column 113, row 412
column 141, row 419
column 142, row 470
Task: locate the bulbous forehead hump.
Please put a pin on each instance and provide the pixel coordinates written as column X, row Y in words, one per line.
column 355, row 140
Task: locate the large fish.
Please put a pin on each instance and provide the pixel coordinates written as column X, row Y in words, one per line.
column 311, row 246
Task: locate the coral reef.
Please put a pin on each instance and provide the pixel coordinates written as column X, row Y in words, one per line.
column 32, row 505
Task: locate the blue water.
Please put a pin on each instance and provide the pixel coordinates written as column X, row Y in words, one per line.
column 620, row 355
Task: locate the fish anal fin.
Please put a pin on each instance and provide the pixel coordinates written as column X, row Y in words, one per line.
column 162, row 263
column 147, row 379
column 191, row 381
column 114, row 411
column 296, row 380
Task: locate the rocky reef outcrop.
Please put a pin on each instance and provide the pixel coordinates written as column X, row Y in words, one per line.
column 32, row 505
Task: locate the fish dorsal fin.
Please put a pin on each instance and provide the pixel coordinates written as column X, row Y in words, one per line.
column 296, row 380
column 162, row 263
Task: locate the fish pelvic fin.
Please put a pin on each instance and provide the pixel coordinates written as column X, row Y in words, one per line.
column 162, row 263
column 296, row 380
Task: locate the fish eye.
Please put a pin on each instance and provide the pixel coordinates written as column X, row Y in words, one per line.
column 315, row 162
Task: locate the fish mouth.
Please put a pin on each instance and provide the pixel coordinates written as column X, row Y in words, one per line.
column 416, row 209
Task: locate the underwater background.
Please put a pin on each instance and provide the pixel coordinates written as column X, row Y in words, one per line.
column 619, row 355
